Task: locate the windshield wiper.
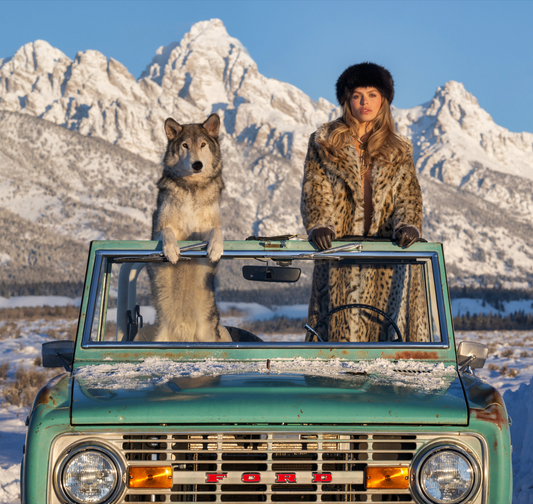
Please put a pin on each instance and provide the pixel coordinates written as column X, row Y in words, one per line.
column 159, row 256
column 327, row 254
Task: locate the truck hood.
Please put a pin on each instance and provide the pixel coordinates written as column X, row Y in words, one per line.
column 251, row 396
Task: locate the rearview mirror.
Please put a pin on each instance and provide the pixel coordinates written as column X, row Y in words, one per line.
column 271, row 274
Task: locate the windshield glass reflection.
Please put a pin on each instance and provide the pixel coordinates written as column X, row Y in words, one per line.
column 253, row 301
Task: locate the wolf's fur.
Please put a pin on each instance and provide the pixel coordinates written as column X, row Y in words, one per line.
column 188, row 208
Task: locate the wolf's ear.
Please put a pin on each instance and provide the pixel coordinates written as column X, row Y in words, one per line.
column 172, row 129
column 212, row 125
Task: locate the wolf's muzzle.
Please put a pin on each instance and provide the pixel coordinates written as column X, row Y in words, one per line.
column 197, row 166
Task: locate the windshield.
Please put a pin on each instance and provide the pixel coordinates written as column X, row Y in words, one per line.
column 388, row 299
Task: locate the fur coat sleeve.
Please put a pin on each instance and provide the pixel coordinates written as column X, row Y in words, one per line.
column 332, row 193
column 318, row 202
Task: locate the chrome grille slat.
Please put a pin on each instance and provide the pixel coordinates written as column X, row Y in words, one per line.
column 344, row 455
column 369, row 491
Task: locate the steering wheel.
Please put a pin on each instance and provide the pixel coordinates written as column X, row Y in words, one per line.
column 355, row 305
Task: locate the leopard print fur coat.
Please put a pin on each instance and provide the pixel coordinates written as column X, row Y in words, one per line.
column 332, row 197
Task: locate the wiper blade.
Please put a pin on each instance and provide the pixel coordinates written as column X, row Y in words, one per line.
column 159, row 256
column 347, row 247
column 329, row 253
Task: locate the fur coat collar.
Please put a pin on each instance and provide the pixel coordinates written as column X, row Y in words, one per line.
column 332, row 193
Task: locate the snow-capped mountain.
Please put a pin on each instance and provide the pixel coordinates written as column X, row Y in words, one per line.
column 97, row 180
column 59, row 190
column 208, row 71
column 456, row 142
column 477, row 179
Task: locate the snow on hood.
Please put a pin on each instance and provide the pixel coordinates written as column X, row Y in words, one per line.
column 155, row 371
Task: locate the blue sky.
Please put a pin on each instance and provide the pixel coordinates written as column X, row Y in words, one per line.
column 486, row 45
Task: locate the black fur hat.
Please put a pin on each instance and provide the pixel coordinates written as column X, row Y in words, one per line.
column 364, row 75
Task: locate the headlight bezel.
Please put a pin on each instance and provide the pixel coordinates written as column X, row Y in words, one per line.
column 74, row 450
column 434, row 449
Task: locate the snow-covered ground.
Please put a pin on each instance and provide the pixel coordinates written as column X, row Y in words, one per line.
column 460, row 306
column 509, row 368
column 259, row 312
column 20, row 301
column 20, row 344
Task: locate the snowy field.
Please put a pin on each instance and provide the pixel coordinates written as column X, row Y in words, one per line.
column 19, row 301
column 509, row 368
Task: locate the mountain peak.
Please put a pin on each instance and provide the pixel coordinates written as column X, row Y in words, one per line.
column 35, row 57
column 454, row 107
column 456, row 91
column 206, row 55
column 212, row 26
column 455, row 140
column 209, row 34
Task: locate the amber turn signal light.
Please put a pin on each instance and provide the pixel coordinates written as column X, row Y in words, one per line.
column 151, row 477
column 387, row 477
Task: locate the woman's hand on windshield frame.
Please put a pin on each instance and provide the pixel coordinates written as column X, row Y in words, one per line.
column 407, row 235
column 322, row 237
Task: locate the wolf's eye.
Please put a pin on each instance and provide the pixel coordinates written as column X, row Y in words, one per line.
column 185, row 146
column 203, row 145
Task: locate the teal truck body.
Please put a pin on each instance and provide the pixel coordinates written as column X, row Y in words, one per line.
column 263, row 421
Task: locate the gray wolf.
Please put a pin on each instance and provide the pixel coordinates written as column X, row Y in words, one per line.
column 188, row 208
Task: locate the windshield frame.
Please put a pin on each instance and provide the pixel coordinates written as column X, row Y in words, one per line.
column 254, row 253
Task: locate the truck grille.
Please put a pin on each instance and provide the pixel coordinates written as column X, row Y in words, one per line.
column 344, row 457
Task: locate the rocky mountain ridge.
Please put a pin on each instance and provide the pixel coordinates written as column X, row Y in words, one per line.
column 477, row 177
column 456, row 142
column 208, row 71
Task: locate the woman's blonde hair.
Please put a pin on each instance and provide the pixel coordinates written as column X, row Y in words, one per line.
column 383, row 144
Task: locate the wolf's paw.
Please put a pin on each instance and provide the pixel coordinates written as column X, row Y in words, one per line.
column 214, row 250
column 172, row 252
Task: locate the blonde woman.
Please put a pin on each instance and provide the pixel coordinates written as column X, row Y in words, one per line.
column 359, row 179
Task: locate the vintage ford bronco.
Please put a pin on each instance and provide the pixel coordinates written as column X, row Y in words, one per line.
column 391, row 412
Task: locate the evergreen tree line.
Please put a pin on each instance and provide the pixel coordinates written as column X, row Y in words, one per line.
column 519, row 321
column 492, row 295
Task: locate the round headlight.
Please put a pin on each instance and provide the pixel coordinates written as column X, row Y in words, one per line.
column 447, row 476
column 89, row 476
